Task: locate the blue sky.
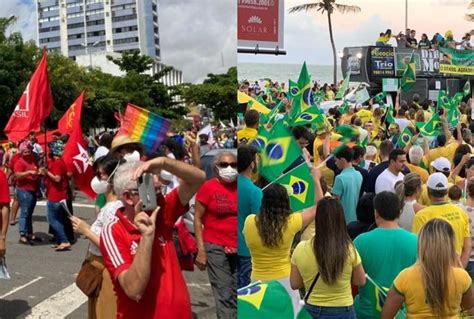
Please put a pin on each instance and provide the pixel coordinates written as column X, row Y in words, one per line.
column 196, row 44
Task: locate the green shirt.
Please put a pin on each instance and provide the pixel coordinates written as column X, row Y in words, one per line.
column 347, row 186
column 249, row 199
column 384, row 253
column 100, row 201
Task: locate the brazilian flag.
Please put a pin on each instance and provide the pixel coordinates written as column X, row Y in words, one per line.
column 409, row 75
column 443, row 100
column 344, row 108
column 405, row 137
column 379, row 98
column 318, row 97
column 304, row 83
column 266, row 300
column 389, row 117
column 466, row 90
column 277, row 149
column 276, row 109
column 348, row 132
column 310, row 116
column 300, row 186
column 433, row 127
column 453, row 117
column 456, row 100
column 344, row 86
column 363, row 143
column 294, row 89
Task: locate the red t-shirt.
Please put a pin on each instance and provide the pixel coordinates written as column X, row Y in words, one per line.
column 57, row 191
column 166, row 295
column 220, row 217
column 29, row 183
column 4, row 190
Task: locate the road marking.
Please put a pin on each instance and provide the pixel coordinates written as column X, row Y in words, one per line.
column 20, row 287
column 59, row 305
column 43, row 203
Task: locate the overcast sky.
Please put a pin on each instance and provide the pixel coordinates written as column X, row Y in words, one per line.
column 196, row 36
column 307, row 35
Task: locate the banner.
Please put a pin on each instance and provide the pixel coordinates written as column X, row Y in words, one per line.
column 403, row 58
column 429, row 61
column 456, row 61
column 353, row 60
column 382, row 61
column 362, row 96
column 260, row 22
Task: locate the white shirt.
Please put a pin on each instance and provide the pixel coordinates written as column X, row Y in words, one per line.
column 105, row 216
column 101, row 151
column 386, row 181
column 402, row 123
column 407, row 216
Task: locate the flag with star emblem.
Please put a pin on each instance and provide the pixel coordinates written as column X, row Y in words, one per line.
column 433, row 127
column 312, row 115
column 466, row 90
column 277, row 149
column 405, row 137
column 409, row 75
column 300, row 186
column 78, row 160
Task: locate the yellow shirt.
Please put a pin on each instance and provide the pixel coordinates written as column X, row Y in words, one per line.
column 336, row 295
column 446, row 151
column 384, row 38
column 318, row 141
column 409, row 284
column 246, row 135
column 420, row 171
column 271, row 263
column 453, row 214
column 364, row 115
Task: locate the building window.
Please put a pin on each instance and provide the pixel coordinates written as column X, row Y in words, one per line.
column 75, row 25
column 47, row 40
column 75, row 36
column 124, row 18
column 95, row 22
column 55, row 28
column 126, row 40
column 125, row 29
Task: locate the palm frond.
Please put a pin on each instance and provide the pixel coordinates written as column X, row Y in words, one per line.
column 469, row 17
column 306, row 7
column 344, row 8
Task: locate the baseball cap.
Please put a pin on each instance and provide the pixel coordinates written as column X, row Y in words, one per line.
column 437, row 181
column 441, row 164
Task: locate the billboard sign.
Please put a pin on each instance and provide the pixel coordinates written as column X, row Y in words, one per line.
column 382, row 61
column 260, row 23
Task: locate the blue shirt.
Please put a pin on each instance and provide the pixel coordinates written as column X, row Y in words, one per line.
column 347, row 186
column 249, row 200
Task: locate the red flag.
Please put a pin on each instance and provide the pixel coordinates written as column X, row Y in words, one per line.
column 34, row 105
column 76, row 157
column 72, row 117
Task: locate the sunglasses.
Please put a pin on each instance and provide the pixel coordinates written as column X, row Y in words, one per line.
column 225, row 164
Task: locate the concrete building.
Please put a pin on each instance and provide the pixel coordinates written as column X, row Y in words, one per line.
column 80, row 27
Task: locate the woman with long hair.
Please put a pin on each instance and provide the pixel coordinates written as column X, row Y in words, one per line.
column 327, row 264
column 444, row 286
column 409, row 191
column 104, row 305
column 270, row 234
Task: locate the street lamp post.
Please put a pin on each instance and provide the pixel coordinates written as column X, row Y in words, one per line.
column 88, row 51
column 406, row 15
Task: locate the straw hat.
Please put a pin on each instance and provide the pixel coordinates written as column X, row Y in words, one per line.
column 121, row 140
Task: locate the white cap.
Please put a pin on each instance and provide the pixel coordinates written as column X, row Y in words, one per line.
column 437, row 181
column 441, row 164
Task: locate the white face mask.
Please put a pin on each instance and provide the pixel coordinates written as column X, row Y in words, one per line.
column 99, row 186
column 228, row 174
column 132, row 157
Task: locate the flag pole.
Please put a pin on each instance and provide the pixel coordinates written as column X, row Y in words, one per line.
column 45, row 146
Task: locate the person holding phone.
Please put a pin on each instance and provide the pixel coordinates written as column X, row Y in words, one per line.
column 216, row 211
column 56, row 181
column 138, row 248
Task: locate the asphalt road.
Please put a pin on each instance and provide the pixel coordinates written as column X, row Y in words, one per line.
column 42, row 280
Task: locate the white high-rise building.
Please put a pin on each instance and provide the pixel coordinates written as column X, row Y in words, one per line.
column 81, row 27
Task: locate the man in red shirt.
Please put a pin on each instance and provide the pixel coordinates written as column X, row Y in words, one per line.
column 138, row 248
column 56, row 181
column 27, row 178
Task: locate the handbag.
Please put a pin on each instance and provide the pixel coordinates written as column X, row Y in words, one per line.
column 185, row 245
column 89, row 278
column 306, row 297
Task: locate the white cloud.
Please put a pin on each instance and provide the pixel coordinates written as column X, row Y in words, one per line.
column 25, row 12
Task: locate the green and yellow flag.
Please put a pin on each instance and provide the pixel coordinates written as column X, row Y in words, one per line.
column 380, row 97
column 409, row 75
column 389, row 117
column 252, row 103
column 294, row 90
column 405, row 137
column 343, row 88
column 312, row 115
column 278, row 150
column 300, row 186
column 443, row 100
column 433, row 127
column 467, row 88
column 304, row 83
column 344, row 108
column 453, row 117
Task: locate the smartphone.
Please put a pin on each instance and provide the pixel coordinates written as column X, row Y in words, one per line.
column 147, row 192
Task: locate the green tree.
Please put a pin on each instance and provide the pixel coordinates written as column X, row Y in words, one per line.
column 217, row 92
column 133, row 61
column 327, row 6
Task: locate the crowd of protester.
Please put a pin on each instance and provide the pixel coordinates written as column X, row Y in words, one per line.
column 139, row 255
column 387, row 219
column 408, row 40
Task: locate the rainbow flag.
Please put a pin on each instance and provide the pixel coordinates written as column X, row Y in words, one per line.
column 145, row 127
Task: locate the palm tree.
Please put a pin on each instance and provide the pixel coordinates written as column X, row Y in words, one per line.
column 470, row 11
column 327, row 6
